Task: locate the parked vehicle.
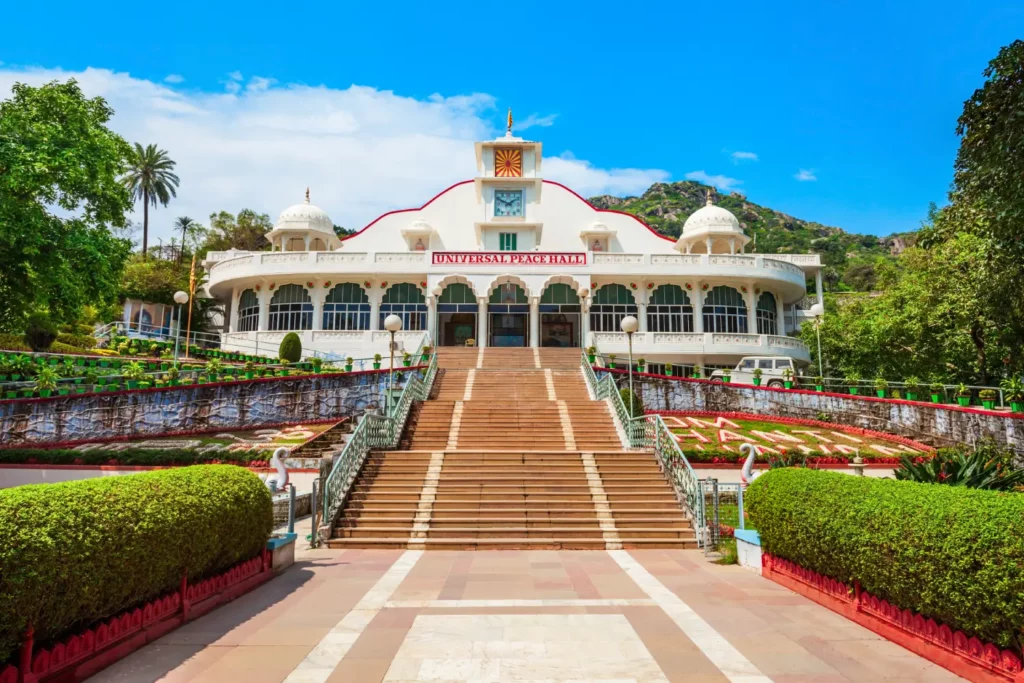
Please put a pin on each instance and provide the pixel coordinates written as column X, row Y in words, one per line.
column 773, row 371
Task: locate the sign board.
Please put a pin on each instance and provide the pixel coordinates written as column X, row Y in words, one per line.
column 508, row 258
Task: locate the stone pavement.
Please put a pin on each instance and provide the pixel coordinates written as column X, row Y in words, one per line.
column 355, row 616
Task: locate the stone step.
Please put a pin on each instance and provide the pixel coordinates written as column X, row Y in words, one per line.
column 509, row 543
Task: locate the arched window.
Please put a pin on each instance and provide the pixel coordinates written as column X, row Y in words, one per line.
column 508, row 293
column 406, row 301
column 559, row 298
column 346, row 308
column 457, row 293
column 725, row 311
column 611, row 304
column 248, row 311
column 317, row 244
column 767, row 314
column 291, row 309
column 670, row 310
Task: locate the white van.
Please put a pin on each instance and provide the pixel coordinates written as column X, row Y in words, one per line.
column 772, row 369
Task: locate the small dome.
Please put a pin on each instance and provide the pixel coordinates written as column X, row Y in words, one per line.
column 711, row 218
column 305, row 216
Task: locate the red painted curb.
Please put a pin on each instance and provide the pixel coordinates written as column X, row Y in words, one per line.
column 260, row 467
column 952, row 650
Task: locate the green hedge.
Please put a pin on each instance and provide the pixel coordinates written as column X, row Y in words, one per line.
column 81, row 341
column 131, row 456
column 951, row 553
column 78, row 552
column 13, row 342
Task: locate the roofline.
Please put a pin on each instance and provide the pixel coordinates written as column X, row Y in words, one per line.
column 550, row 182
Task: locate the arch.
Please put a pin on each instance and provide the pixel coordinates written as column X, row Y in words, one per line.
column 405, row 300
column 558, row 293
column 720, row 245
column 449, row 279
column 611, row 304
column 725, row 310
column 346, row 307
column 294, row 244
column 669, row 310
column 248, row 311
column 317, row 244
column 614, row 294
column 506, row 278
column 562, row 279
column 767, row 314
column 508, row 293
column 457, row 293
column 291, row 308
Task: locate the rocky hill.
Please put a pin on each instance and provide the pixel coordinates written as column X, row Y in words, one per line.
column 851, row 258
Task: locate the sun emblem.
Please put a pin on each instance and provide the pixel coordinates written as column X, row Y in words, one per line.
column 508, row 163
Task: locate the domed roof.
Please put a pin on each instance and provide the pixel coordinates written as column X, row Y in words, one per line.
column 711, row 218
column 305, row 216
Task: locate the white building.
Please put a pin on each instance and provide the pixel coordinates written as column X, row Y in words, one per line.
column 510, row 259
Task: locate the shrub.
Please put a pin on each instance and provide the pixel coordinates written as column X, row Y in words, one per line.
column 81, row 341
column 986, row 467
column 132, row 456
column 61, row 347
column 638, row 405
column 77, row 552
column 291, row 348
column 40, row 332
column 951, row 553
column 13, row 342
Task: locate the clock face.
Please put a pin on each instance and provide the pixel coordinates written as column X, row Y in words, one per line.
column 508, row 202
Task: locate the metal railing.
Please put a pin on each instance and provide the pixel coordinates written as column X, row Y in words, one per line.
column 650, row 431
column 373, row 432
column 724, row 505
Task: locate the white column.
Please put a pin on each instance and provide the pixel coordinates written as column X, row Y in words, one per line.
column 781, row 313
column 481, row 321
column 585, row 322
column 318, row 295
column 641, row 316
column 374, row 298
column 698, row 306
column 307, row 242
column 751, row 310
column 817, row 287
column 432, row 319
column 264, row 299
column 233, row 324
column 732, row 246
column 534, row 321
column 707, row 241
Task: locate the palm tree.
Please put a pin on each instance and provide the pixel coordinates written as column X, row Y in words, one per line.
column 150, row 178
column 188, row 227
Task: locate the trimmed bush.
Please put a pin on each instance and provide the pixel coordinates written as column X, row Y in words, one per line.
column 78, row 552
column 950, row 553
column 40, row 332
column 13, row 342
column 61, row 347
column 131, row 456
column 81, row 341
column 291, row 348
column 638, row 404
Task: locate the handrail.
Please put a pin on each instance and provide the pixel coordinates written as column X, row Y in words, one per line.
column 373, row 432
column 650, row 431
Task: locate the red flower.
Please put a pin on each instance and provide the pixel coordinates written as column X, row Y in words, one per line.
column 309, row 285
column 650, row 285
column 366, row 284
column 384, row 285
column 423, row 285
column 272, row 285
column 327, row 284
column 689, row 286
column 704, row 286
column 632, row 285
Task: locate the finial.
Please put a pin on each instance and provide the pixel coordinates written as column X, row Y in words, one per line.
column 509, row 128
column 709, row 197
column 307, row 195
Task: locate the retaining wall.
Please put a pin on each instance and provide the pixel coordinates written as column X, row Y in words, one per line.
column 188, row 410
column 930, row 423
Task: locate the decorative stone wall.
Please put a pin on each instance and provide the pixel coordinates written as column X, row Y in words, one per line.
column 933, row 424
column 193, row 409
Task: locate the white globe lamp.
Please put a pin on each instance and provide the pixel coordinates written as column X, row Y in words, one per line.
column 630, row 325
column 392, row 324
column 180, row 298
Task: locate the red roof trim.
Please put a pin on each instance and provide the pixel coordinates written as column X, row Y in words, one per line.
column 549, row 182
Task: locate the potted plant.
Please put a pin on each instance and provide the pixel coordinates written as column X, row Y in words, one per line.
column 668, row 369
column 611, row 361
column 349, row 361
column 471, row 342
column 425, row 354
column 1013, row 391
column 172, row 376
column 963, row 395
column 376, row 361
column 787, row 378
column 249, row 369
column 696, row 372
column 591, row 354
column 640, row 363
column 133, row 372
column 317, row 362
column 214, row 367
column 757, row 376
column 988, row 398
column 937, row 390
column 819, row 383
column 853, row 379
column 881, row 387
column 46, row 380
column 912, row 385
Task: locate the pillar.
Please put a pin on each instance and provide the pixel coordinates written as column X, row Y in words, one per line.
column 317, row 295
column 780, row 314
column 534, row 321
column 708, row 241
column 751, row 310
column 641, row 316
column 481, row 321
column 431, row 319
column 307, row 242
column 585, row 322
column 233, row 320
column 817, row 287
column 698, row 308
column 264, row 298
column 374, row 310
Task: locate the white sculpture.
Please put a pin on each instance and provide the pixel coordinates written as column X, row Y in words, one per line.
column 747, row 474
column 278, row 484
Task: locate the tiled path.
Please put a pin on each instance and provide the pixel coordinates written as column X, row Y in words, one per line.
column 355, row 616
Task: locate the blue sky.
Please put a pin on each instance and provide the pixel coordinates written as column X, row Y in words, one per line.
column 858, row 99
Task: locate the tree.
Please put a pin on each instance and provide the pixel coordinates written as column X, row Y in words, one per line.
column 246, row 231
column 57, row 153
column 342, row 233
column 150, row 178
column 189, row 228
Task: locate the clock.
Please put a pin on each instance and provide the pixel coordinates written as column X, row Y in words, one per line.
column 508, row 203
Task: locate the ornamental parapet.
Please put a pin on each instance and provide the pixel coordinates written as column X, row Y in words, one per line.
column 707, row 343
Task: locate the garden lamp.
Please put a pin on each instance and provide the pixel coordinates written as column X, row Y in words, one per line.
column 392, row 324
column 629, row 325
column 180, row 298
column 817, row 310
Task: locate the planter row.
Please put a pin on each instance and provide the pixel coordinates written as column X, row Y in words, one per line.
column 83, row 654
column 953, row 650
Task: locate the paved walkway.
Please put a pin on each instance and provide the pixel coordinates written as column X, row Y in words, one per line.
column 355, row 616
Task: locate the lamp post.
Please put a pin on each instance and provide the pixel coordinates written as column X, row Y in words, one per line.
column 629, row 325
column 179, row 298
column 392, row 324
column 817, row 310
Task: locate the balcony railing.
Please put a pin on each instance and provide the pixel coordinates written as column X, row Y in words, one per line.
column 654, row 342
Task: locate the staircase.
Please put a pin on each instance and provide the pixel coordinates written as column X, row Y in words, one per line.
column 511, row 452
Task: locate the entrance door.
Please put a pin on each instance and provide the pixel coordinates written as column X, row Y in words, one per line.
column 509, row 329
column 560, row 330
column 456, row 315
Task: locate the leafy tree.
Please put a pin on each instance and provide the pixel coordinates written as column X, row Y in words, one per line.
column 246, row 231
column 57, row 153
column 156, row 281
column 150, row 177
column 189, row 228
column 342, row 233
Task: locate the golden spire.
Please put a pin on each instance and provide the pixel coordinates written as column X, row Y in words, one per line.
column 307, row 195
column 509, row 128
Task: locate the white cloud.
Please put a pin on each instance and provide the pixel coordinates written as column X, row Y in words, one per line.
column 235, row 75
column 362, row 151
column 805, row 175
column 722, row 182
column 738, row 157
column 534, row 120
column 174, row 78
